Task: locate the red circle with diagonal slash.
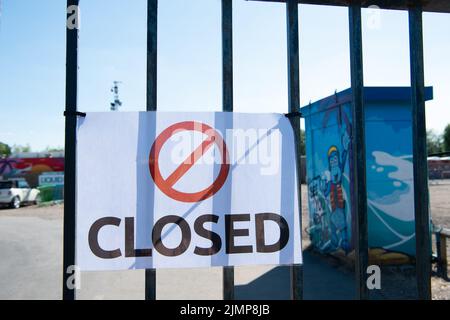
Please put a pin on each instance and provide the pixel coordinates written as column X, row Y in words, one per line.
column 166, row 185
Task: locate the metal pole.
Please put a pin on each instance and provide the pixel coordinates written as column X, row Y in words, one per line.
column 421, row 197
column 70, row 148
column 152, row 49
column 359, row 150
column 227, row 105
column 294, row 106
column 227, row 55
column 441, row 249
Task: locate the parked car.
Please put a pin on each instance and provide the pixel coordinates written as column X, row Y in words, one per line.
column 15, row 192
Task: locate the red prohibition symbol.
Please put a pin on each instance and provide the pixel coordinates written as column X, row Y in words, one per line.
column 166, row 185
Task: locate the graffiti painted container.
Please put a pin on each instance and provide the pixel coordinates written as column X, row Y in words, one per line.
column 390, row 184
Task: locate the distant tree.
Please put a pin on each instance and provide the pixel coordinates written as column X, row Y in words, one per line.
column 434, row 142
column 54, row 149
column 18, row 148
column 5, row 150
column 446, row 138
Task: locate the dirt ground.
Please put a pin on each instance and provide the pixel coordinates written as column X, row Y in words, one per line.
column 395, row 278
column 440, row 215
column 440, row 202
column 399, row 276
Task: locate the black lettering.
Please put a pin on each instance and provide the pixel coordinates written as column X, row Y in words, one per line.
column 207, row 234
column 185, row 236
column 260, row 234
column 231, row 233
column 93, row 238
column 130, row 251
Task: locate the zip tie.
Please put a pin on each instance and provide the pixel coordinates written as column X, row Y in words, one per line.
column 74, row 113
column 293, row 114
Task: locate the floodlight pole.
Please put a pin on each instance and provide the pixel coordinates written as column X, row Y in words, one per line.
column 70, row 150
column 227, row 106
column 152, row 50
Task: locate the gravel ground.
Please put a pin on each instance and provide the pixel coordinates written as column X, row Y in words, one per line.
column 440, row 214
column 440, row 202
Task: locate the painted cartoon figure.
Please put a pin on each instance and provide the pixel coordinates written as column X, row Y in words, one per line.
column 318, row 205
column 319, row 226
column 332, row 188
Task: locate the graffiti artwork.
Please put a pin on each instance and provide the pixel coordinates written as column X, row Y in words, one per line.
column 389, row 172
column 23, row 166
column 328, row 182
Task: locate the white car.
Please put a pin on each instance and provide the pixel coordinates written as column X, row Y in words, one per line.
column 15, row 192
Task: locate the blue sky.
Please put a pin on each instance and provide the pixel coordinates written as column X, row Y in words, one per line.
column 112, row 47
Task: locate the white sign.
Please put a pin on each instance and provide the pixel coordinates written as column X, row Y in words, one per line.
column 51, row 178
column 176, row 190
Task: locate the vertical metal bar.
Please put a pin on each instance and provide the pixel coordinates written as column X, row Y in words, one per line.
column 228, row 283
column 443, row 262
column 294, row 106
column 152, row 50
column 438, row 251
column 227, row 105
column 359, row 150
column 70, row 148
column 421, row 197
column 227, row 55
column 441, row 248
